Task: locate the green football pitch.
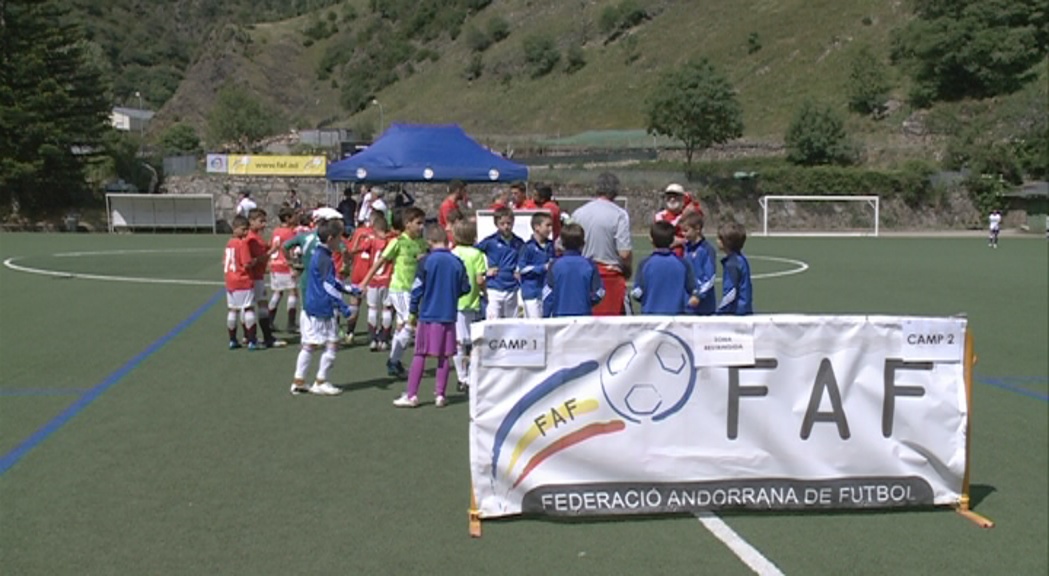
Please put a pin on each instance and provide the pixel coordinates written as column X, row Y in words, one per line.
column 133, row 442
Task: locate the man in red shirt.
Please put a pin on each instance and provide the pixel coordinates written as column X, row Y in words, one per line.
column 676, row 203
column 544, row 201
column 519, row 197
column 454, row 201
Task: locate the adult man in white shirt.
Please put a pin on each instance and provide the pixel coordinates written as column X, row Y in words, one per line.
column 996, row 226
column 246, row 204
column 364, row 207
column 608, row 243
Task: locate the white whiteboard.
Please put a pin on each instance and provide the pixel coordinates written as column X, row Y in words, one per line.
column 522, row 223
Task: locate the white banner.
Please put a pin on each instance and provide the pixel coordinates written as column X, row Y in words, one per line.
column 652, row 414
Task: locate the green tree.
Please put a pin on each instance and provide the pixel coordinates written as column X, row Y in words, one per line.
column 971, row 48
column 240, row 118
column 868, row 85
column 180, row 138
column 817, row 136
column 697, row 105
column 53, row 108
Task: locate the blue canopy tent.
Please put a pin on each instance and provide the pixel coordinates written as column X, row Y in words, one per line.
column 425, row 153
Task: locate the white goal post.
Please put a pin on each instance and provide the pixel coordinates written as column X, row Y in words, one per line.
column 820, row 215
column 160, row 211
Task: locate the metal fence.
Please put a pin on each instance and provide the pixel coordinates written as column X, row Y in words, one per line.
column 180, row 165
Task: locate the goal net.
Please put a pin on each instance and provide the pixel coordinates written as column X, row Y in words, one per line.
column 819, row 215
column 160, row 211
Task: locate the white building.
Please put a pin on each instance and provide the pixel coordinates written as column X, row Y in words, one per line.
column 130, row 119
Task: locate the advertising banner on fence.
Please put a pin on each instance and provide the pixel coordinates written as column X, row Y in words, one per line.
column 599, row 416
column 218, row 164
column 278, row 165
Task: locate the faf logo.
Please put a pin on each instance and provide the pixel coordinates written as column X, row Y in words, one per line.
column 649, row 378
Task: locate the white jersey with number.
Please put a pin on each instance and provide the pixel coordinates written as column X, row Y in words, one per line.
column 996, row 221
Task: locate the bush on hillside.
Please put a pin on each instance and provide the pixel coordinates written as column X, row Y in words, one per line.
column 868, row 85
column 477, row 40
column 498, row 28
column 615, row 20
column 816, row 136
column 541, row 54
column 575, row 60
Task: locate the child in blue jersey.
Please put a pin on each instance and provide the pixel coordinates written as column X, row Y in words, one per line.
column 573, row 283
column 703, row 257
column 664, row 284
column 440, row 279
column 320, row 325
column 737, row 296
column 532, row 263
column 501, row 249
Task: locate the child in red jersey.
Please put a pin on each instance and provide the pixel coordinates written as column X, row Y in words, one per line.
column 260, row 255
column 362, row 262
column 240, row 293
column 281, row 278
column 377, row 293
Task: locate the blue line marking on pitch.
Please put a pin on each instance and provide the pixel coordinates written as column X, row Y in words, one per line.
column 1000, row 383
column 18, row 452
column 18, row 392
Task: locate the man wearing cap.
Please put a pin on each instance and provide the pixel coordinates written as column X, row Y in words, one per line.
column 364, row 206
column 246, row 204
column 676, row 202
column 373, row 200
column 608, row 243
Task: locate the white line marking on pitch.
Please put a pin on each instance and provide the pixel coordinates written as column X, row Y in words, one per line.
column 750, row 555
column 70, row 275
column 801, row 266
column 119, row 252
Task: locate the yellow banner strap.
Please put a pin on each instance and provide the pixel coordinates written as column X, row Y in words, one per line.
column 963, row 505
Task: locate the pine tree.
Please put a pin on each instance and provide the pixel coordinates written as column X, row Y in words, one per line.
column 53, row 109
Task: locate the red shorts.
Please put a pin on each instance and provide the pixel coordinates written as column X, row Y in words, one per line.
column 615, row 292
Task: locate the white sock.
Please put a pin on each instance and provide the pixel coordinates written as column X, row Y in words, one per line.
column 249, row 318
column 274, row 300
column 327, row 359
column 302, row 364
column 400, row 343
column 387, row 318
column 457, row 360
column 293, row 302
column 231, row 320
column 373, row 317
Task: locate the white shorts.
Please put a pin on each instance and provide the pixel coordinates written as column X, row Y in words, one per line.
column 533, row 308
column 282, row 281
column 260, row 290
column 463, row 320
column 378, row 297
column 501, row 304
column 240, row 299
column 401, row 302
column 318, row 331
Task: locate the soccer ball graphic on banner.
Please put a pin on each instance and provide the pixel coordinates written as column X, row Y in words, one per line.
column 649, row 378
